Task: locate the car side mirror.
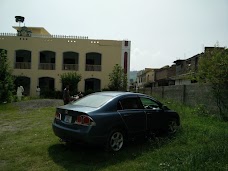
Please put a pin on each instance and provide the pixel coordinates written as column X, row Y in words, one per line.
column 164, row 107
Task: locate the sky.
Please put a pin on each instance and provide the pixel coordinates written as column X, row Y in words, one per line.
column 160, row 31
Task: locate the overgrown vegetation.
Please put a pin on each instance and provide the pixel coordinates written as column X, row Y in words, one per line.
column 51, row 94
column 213, row 68
column 6, row 79
column 118, row 79
column 72, row 79
column 28, row 143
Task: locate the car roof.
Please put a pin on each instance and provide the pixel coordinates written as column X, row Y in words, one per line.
column 116, row 93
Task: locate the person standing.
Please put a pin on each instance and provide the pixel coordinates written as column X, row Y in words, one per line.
column 66, row 95
column 38, row 91
column 80, row 95
column 20, row 91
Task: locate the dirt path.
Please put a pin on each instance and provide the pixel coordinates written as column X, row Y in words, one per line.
column 38, row 103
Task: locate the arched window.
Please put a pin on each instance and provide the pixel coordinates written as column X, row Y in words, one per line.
column 93, row 61
column 125, row 62
column 47, row 60
column 23, row 59
column 70, row 61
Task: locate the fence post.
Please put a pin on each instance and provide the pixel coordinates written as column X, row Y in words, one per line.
column 184, row 94
column 162, row 92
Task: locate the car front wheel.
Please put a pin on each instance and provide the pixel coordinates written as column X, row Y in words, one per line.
column 115, row 141
column 172, row 126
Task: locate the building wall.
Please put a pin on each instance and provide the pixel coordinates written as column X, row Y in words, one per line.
column 161, row 73
column 145, row 76
column 112, row 53
column 165, row 72
column 139, row 78
column 150, row 76
column 182, row 82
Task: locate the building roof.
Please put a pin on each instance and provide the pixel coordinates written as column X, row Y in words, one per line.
column 35, row 30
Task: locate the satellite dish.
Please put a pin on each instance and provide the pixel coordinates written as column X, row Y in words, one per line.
column 19, row 19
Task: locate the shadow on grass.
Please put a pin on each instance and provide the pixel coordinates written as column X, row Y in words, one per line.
column 79, row 156
column 85, row 157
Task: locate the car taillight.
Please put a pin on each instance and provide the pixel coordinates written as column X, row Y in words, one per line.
column 57, row 116
column 79, row 119
column 85, row 120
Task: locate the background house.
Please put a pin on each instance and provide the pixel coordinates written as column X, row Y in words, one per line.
column 164, row 74
column 185, row 70
column 145, row 77
column 182, row 72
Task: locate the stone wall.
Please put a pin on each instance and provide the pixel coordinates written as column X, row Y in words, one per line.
column 192, row 95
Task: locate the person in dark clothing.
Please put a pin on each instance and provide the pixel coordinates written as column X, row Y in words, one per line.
column 80, row 95
column 66, row 95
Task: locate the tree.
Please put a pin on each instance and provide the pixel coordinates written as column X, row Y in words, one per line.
column 213, row 68
column 118, row 79
column 6, row 79
column 72, row 79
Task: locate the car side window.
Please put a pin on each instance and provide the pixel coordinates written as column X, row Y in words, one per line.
column 119, row 106
column 130, row 103
column 149, row 103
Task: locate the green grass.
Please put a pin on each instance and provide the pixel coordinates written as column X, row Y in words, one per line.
column 28, row 143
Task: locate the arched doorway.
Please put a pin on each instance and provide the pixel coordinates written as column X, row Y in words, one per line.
column 25, row 82
column 92, row 84
column 46, row 84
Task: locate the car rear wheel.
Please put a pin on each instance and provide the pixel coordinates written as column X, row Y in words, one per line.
column 172, row 126
column 115, row 141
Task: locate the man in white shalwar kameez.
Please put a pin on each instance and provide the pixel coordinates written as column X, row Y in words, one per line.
column 20, row 90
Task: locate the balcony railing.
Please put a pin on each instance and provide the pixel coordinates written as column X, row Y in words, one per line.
column 93, row 67
column 47, row 36
column 70, row 67
column 22, row 65
column 47, row 66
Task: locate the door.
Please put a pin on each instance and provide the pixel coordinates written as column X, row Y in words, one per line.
column 133, row 115
column 155, row 115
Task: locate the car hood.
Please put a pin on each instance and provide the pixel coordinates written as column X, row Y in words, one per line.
column 78, row 108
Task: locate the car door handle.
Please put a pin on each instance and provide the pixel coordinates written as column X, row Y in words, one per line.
column 149, row 113
column 127, row 114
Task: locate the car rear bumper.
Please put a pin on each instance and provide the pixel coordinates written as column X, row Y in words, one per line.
column 71, row 135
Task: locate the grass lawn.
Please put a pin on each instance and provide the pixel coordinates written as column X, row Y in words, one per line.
column 27, row 142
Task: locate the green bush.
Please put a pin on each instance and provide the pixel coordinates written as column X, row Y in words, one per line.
column 7, row 88
column 201, row 110
column 53, row 94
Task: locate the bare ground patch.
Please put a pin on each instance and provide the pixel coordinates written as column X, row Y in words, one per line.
column 25, row 107
column 38, row 103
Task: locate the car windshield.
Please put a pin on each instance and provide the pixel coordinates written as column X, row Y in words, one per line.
column 93, row 100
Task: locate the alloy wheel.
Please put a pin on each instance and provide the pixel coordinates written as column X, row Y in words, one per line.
column 116, row 141
column 172, row 127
